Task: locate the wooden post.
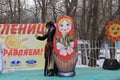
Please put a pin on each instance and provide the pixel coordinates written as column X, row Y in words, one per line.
column 115, row 49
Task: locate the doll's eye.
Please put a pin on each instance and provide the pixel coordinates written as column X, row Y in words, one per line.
column 68, row 24
column 61, row 25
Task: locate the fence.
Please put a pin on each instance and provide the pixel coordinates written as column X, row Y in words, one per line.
column 93, row 53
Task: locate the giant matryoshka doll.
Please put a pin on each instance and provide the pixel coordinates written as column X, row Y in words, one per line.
column 65, row 47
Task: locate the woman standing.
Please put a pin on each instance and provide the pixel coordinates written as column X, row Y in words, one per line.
column 50, row 68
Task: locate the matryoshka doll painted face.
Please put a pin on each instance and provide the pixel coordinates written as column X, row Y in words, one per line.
column 64, row 26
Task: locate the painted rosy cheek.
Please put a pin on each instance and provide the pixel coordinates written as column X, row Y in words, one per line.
column 61, row 29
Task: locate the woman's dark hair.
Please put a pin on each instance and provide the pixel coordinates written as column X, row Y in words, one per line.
column 50, row 23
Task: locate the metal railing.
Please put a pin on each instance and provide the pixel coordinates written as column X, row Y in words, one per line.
column 89, row 54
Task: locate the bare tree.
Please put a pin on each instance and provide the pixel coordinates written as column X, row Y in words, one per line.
column 11, row 10
column 43, row 5
column 71, row 7
column 36, row 11
column 83, row 20
column 119, row 6
column 19, row 11
column 54, row 13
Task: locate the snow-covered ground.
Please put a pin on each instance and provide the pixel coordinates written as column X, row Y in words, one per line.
column 99, row 61
column 79, row 63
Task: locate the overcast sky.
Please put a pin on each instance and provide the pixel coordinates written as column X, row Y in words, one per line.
column 30, row 2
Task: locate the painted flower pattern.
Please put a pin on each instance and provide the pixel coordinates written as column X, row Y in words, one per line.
column 64, row 47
